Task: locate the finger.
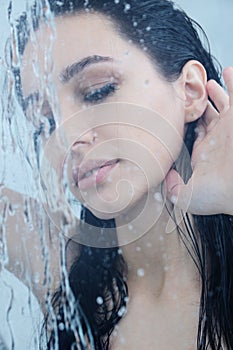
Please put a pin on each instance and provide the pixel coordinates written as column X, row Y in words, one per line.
column 210, row 115
column 228, row 78
column 178, row 192
column 218, row 95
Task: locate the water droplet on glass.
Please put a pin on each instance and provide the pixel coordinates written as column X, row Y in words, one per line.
column 61, row 326
column 212, row 142
column 127, row 7
column 122, row 340
column 99, row 300
column 122, row 311
column 115, row 333
column 174, row 199
column 203, row 156
column 36, row 277
column 130, row 227
column 140, row 272
column 158, row 197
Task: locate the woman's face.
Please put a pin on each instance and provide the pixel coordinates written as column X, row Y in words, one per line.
column 93, row 65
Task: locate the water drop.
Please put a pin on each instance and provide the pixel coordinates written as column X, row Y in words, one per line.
column 36, row 277
column 203, row 156
column 127, row 7
column 158, row 197
column 61, row 326
column 122, row 311
column 130, row 227
column 140, row 272
column 174, row 199
column 212, row 142
column 122, row 340
column 99, row 300
column 148, row 28
column 115, row 333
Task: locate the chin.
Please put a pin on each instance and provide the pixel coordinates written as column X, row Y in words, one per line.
column 103, row 215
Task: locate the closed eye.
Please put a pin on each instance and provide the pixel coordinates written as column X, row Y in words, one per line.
column 100, row 94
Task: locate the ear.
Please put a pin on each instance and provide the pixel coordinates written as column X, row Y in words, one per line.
column 194, row 81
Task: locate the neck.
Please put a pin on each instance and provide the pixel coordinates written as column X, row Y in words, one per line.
column 158, row 262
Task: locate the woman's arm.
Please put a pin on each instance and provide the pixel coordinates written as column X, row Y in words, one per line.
column 210, row 188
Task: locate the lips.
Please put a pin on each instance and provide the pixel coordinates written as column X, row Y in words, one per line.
column 89, row 166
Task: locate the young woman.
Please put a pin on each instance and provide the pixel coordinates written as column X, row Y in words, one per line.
column 159, row 291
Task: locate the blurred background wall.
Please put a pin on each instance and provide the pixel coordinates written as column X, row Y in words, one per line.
column 216, row 18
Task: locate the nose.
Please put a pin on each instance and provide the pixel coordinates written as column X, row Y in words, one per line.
column 86, row 139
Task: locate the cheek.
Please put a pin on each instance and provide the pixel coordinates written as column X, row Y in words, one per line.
column 155, row 163
column 164, row 141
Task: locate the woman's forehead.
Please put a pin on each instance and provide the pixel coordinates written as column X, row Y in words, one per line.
column 74, row 34
column 73, row 38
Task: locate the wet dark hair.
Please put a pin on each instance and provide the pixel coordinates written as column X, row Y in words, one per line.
column 171, row 39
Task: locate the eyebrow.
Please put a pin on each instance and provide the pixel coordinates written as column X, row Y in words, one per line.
column 70, row 71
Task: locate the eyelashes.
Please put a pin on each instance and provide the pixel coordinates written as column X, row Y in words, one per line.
column 100, row 94
column 93, row 96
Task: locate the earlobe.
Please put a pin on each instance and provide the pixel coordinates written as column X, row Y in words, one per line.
column 194, row 84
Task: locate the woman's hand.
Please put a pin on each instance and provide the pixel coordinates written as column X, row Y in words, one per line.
column 210, row 188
